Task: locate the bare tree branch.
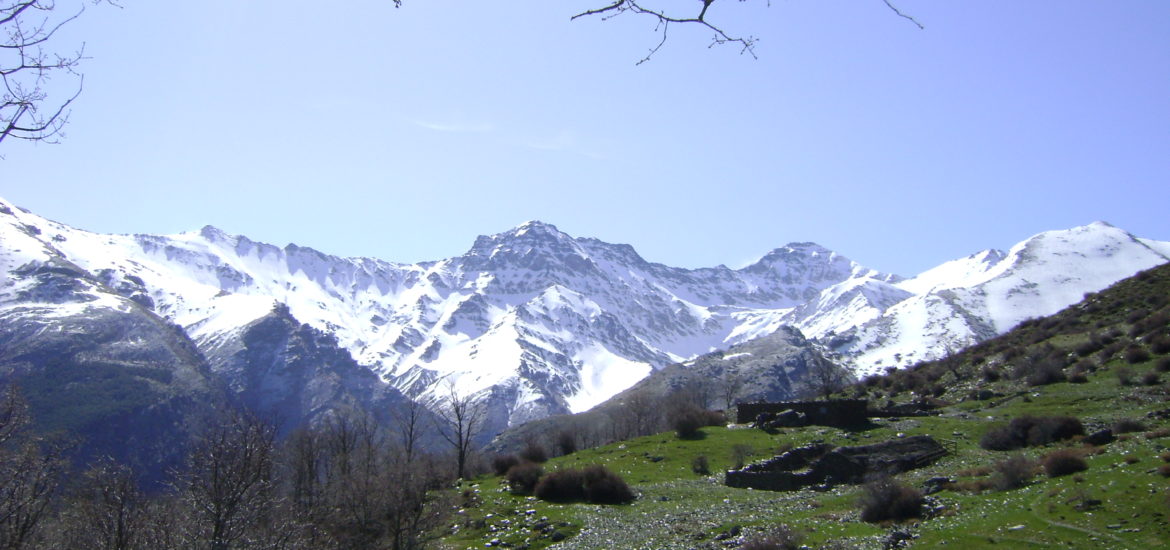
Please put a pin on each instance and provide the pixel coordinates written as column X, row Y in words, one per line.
column 720, row 37
column 747, row 43
column 900, row 14
column 28, row 110
column 461, row 418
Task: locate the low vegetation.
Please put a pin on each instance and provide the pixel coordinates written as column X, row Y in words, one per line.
column 1031, row 431
column 1063, row 462
column 886, row 499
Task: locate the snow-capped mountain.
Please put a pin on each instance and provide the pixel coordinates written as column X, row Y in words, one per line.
column 535, row 322
column 968, row 300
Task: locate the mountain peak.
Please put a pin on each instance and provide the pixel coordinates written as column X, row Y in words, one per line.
column 525, row 240
column 535, row 225
column 214, row 234
column 793, row 253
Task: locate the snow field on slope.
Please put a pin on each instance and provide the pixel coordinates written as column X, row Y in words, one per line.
column 964, row 272
column 1066, row 265
column 603, row 375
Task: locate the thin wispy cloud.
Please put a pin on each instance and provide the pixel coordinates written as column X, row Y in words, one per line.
column 455, row 127
column 564, row 141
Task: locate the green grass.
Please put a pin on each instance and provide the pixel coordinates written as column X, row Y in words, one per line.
column 679, row 509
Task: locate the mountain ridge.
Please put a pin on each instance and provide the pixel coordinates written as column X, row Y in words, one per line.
column 536, row 322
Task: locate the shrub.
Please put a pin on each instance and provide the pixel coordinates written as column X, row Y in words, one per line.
column 605, row 487
column 1013, row 473
column 1151, row 378
column 567, row 485
column 534, row 452
column 1085, row 365
column 1136, row 315
column 1128, row 425
column 1163, row 365
column 1135, row 354
column 1031, row 431
column 885, row 499
column 594, row 484
column 1124, row 375
column 1164, row 470
column 1063, row 462
column 566, row 442
column 523, row 477
column 1109, row 351
column 974, row 472
column 502, row 463
column 740, row 453
column 686, row 423
column 1044, row 373
column 972, row 486
column 1089, row 348
column 780, row 538
column 700, row 466
column 1160, row 345
column 714, row 418
column 1078, row 377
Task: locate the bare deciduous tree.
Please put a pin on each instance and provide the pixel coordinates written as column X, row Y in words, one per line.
column 460, row 419
column 364, row 494
column 29, row 110
column 228, row 484
column 30, row 473
column 825, row 378
column 409, row 423
column 730, row 384
column 304, row 467
column 109, row 509
column 14, row 416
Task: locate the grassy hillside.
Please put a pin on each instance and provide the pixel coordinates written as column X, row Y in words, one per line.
column 1103, row 361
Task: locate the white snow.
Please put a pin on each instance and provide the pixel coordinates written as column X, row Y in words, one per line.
column 554, row 311
column 603, row 375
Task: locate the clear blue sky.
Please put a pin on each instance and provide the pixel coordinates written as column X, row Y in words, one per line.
column 363, row 130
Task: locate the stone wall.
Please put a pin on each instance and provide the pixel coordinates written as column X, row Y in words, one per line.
column 840, row 465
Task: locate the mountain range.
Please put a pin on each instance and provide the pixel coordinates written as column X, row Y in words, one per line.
column 531, row 321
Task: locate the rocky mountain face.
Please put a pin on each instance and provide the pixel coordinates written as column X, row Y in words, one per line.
column 779, row 366
column 99, row 363
column 531, row 321
column 97, row 366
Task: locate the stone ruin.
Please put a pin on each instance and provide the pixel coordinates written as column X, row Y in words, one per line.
column 841, row 413
column 820, row 464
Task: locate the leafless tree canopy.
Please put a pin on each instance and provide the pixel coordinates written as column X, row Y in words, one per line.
column 29, row 473
column 461, row 419
column 825, row 378
column 690, row 13
column 29, row 60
